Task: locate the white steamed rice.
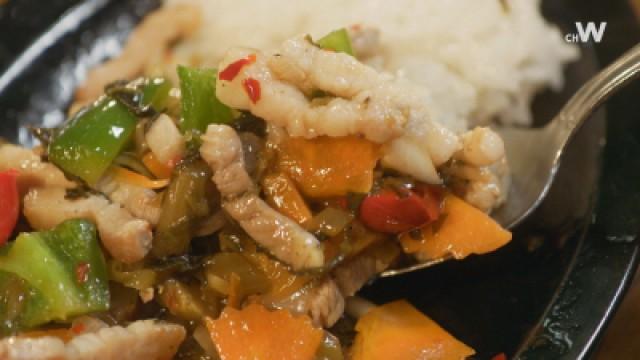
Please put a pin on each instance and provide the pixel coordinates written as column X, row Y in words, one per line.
column 482, row 61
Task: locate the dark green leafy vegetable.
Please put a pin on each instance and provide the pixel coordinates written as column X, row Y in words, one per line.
column 155, row 93
column 60, row 274
column 185, row 302
column 200, row 106
column 251, row 280
column 88, row 143
column 186, row 202
column 337, row 40
column 132, row 276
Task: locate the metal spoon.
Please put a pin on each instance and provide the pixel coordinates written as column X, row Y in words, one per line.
column 534, row 154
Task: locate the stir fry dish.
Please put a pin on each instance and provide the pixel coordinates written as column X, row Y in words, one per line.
column 234, row 211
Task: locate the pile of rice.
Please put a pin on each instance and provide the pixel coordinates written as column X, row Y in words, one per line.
column 482, row 60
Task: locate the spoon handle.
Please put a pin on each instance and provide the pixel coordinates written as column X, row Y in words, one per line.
column 592, row 94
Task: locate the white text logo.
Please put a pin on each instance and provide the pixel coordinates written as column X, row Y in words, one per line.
column 585, row 33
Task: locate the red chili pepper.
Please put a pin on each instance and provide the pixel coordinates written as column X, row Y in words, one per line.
column 252, row 87
column 9, row 204
column 500, row 356
column 389, row 212
column 82, row 272
column 232, row 70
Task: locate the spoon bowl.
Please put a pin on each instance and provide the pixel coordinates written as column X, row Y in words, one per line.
column 534, row 155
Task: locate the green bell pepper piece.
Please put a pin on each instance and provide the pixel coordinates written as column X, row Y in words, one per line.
column 21, row 305
column 88, row 143
column 65, row 265
column 337, row 40
column 200, row 106
column 155, row 93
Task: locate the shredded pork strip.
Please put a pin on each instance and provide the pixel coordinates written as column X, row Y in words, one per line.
column 33, row 172
column 281, row 236
column 144, row 339
column 126, row 238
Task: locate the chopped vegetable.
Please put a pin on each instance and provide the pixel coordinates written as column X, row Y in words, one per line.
column 398, row 331
column 132, row 275
column 329, row 349
column 158, row 169
column 252, row 88
column 130, row 160
column 350, row 242
column 393, row 213
column 500, row 356
column 200, row 106
column 155, row 93
column 330, row 221
column 337, row 40
column 281, row 193
column 462, row 230
column 21, row 305
column 257, row 333
column 89, row 142
column 133, row 178
column 232, row 70
column 185, row 203
column 326, row 167
column 9, row 204
column 48, row 263
column 185, row 301
column 232, row 275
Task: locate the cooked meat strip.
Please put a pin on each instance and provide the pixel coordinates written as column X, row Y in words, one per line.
column 33, row 171
column 126, row 238
column 362, row 101
column 140, row 202
column 324, row 300
column 144, row 339
column 147, row 43
column 44, row 348
column 281, row 236
column 353, row 274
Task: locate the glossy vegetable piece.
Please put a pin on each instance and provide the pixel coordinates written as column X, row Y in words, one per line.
column 133, row 178
column 397, row 331
column 65, row 264
column 9, row 204
column 200, row 106
column 329, row 167
column 158, row 169
column 155, row 93
column 132, row 275
column 228, row 273
column 89, row 142
column 461, row 231
column 390, row 212
column 282, row 281
column 185, row 302
column 257, row 333
column 20, row 304
column 337, row 40
column 185, row 203
column 330, row 221
column 281, row 193
column 329, row 349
